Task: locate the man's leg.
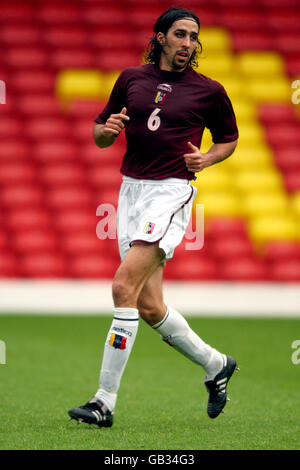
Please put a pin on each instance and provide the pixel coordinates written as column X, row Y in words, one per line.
column 175, row 330
column 136, row 268
column 130, row 277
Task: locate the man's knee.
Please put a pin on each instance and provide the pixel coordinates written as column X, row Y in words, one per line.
column 122, row 291
column 152, row 314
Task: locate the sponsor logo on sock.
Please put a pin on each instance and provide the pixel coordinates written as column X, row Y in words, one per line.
column 121, row 330
column 118, row 341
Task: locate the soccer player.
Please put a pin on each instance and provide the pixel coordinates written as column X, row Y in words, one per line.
column 164, row 107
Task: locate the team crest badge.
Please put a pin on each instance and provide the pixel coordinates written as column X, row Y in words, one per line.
column 163, row 88
column 160, row 97
column 149, row 227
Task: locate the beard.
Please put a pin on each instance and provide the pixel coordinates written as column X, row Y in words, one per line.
column 179, row 66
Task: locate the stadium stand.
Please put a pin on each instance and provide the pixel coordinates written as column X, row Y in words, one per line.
column 60, row 61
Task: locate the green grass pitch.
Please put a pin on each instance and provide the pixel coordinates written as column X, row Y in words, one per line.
column 53, row 362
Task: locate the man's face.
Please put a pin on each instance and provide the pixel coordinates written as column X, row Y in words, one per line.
column 178, row 45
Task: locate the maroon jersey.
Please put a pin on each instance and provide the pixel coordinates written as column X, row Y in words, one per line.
column 166, row 110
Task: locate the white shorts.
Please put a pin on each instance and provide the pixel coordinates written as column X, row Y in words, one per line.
column 154, row 211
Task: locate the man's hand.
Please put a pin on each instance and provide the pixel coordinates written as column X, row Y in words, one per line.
column 196, row 161
column 105, row 134
column 114, row 124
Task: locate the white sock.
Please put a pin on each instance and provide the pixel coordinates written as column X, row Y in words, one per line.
column 118, row 345
column 175, row 330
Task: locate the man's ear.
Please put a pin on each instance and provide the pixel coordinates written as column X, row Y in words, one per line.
column 161, row 38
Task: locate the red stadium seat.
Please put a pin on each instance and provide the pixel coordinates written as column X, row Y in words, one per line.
column 287, row 158
column 34, row 241
column 76, row 221
column 10, row 127
column 192, row 268
column 279, row 3
column 140, row 16
column 292, row 63
column 8, row 265
column 17, row 173
column 208, row 14
column 21, row 196
column 283, row 134
column 285, row 271
column 283, row 19
column 185, row 248
column 245, row 39
column 5, row 75
column 57, row 36
column 288, row 42
column 163, row 4
column 233, row 3
column 26, row 57
column 113, row 60
column 37, row 81
column 59, row 13
column 243, row 269
column 61, row 174
column 107, row 196
column 292, row 180
column 110, row 246
column 13, row 11
column 232, row 247
column 68, row 198
column 240, row 18
column 8, row 109
column 224, row 227
column 110, row 156
column 82, row 130
column 46, row 128
column 93, row 266
column 276, row 113
column 43, row 266
column 19, row 34
column 84, row 109
column 105, row 178
column 281, row 251
column 28, row 219
column 82, row 243
column 3, row 240
column 39, row 105
column 104, row 39
column 55, row 151
column 13, row 150
column 72, row 57
column 114, row 16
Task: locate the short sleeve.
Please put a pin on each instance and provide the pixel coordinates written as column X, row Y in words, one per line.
column 116, row 102
column 220, row 118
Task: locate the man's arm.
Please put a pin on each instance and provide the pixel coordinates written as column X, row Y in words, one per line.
column 196, row 160
column 105, row 134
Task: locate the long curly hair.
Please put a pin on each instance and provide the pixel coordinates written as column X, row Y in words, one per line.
column 163, row 24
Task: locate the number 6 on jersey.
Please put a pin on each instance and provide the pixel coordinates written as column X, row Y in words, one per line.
column 154, row 120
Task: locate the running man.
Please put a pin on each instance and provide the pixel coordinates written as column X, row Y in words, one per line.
column 164, row 107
